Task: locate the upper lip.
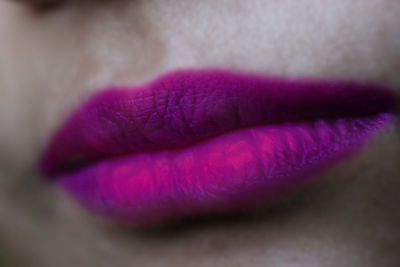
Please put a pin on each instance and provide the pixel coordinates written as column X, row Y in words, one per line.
column 185, row 107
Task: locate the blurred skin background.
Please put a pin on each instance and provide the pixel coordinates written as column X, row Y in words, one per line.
column 54, row 57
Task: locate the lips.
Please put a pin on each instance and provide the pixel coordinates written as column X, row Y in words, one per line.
column 208, row 141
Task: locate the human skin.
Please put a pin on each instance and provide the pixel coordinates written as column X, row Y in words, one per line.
column 53, row 59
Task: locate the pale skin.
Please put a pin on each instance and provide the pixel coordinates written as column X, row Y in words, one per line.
column 53, row 59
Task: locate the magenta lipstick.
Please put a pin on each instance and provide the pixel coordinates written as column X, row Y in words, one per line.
column 208, row 141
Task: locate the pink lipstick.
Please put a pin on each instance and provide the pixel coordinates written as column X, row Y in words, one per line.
column 208, row 141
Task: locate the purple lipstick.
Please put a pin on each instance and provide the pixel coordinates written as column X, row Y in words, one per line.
column 208, row 141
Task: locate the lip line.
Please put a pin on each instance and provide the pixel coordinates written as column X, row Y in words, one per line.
column 179, row 148
column 375, row 91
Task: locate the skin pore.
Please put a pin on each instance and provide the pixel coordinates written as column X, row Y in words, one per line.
column 53, row 59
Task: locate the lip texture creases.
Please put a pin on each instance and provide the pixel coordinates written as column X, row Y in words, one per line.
column 205, row 141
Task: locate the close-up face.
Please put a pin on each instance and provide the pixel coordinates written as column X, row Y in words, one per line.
column 200, row 133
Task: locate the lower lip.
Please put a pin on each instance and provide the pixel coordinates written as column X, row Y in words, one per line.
column 229, row 173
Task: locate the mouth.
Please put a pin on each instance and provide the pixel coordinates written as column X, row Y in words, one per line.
column 209, row 141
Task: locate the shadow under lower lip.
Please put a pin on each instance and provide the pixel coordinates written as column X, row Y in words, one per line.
column 234, row 172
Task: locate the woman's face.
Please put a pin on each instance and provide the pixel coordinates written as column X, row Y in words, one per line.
column 53, row 59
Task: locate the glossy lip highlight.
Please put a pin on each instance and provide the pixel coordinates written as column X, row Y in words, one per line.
column 205, row 141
